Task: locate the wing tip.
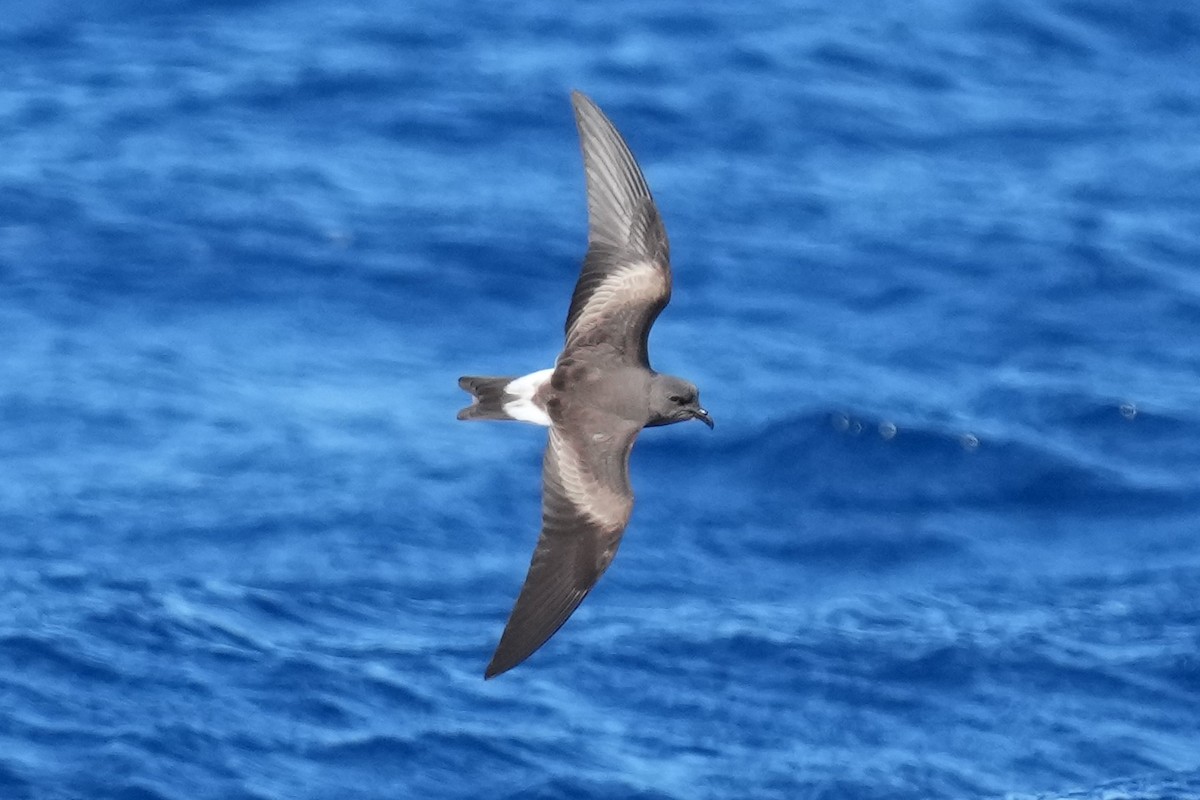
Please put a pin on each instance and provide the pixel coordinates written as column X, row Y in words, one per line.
column 589, row 116
column 581, row 101
column 502, row 663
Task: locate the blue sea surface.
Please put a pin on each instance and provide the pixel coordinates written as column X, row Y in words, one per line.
column 937, row 275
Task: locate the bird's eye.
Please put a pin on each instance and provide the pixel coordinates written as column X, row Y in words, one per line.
column 676, row 399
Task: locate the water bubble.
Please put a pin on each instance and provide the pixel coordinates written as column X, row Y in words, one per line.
column 1128, row 410
column 969, row 441
column 841, row 422
column 340, row 238
column 887, row 430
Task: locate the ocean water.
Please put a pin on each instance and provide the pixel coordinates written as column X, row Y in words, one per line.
column 937, row 274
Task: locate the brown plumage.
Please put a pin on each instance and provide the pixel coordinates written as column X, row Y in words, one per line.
column 599, row 395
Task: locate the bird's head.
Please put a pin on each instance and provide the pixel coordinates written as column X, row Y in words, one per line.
column 675, row 400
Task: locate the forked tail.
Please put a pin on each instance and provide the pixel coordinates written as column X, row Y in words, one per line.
column 490, row 395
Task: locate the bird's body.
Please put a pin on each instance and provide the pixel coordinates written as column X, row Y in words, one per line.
column 598, row 396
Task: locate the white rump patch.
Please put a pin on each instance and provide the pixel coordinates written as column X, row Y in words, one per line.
column 523, row 389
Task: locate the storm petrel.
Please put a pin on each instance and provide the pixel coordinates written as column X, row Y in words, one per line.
column 596, row 398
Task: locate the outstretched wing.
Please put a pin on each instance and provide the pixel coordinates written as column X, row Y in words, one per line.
column 586, row 502
column 626, row 276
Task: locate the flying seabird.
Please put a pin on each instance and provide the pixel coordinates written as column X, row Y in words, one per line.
column 597, row 397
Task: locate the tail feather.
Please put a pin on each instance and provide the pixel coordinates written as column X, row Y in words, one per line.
column 489, row 395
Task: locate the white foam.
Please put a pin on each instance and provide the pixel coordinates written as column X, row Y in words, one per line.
column 524, row 388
